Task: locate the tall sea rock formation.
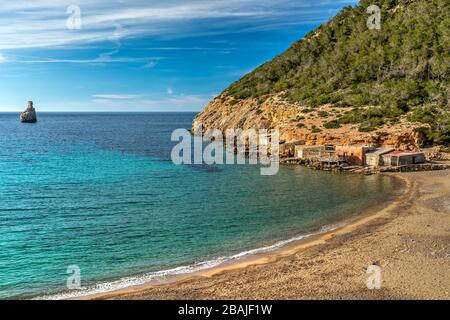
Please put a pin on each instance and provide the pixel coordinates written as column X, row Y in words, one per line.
column 29, row 115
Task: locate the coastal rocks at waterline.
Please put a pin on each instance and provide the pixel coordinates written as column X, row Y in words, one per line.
column 29, row 115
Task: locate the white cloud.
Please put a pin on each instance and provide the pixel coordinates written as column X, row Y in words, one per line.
column 188, row 101
column 2, row 58
column 42, row 23
column 117, row 96
column 101, row 59
column 151, row 64
column 134, row 102
column 188, row 49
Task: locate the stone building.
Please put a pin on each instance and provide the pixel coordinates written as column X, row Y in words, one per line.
column 375, row 159
column 401, row 158
column 309, row 152
column 355, row 155
column 287, row 149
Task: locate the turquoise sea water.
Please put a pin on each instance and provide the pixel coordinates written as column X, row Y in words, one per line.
column 99, row 191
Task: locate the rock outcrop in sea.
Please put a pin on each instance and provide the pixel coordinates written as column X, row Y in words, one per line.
column 29, row 115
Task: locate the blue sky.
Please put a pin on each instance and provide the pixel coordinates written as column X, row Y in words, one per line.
column 138, row 55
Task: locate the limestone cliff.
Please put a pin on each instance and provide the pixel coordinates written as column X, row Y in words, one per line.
column 296, row 122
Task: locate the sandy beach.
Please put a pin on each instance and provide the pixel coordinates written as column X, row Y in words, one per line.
column 409, row 238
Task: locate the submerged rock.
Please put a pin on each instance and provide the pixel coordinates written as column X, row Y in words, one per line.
column 29, row 115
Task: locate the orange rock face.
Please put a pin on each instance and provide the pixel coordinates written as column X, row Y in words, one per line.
column 296, row 122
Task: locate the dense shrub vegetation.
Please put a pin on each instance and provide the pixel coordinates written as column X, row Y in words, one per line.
column 333, row 124
column 438, row 121
column 372, row 117
column 403, row 66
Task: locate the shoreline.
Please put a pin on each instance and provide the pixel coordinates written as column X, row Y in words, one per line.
column 290, row 247
column 409, row 239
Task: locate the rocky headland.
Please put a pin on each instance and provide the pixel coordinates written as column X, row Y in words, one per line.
column 347, row 84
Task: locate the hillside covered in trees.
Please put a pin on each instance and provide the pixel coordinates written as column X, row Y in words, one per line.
column 402, row 69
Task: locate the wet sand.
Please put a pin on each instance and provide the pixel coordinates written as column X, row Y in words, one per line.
column 409, row 238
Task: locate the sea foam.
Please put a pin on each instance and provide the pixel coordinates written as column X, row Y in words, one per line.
column 164, row 276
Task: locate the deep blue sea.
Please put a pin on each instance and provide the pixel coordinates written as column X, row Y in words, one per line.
column 99, row 191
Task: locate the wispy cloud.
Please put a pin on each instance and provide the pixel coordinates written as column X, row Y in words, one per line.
column 42, row 23
column 117, row 96
column 2, row 58
column 100, row 59
column 132, row 102
column 188, row 49
column 188, row 101
column 151, row 64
